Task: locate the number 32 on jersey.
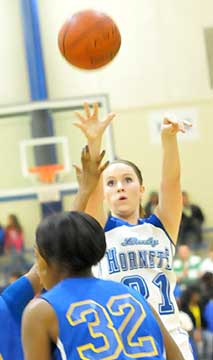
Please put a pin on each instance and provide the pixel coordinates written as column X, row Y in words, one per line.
column 130, row 314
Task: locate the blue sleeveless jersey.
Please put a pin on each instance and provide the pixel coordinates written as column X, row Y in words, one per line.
column 100, row 319
column 12, row 303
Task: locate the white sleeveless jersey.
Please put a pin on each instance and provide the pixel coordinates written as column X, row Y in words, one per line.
column 141, row 256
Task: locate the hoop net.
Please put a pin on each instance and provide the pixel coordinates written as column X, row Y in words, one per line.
column 48, row 192
column 46, row 173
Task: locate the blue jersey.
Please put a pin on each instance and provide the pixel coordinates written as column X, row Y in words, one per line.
column 100, row 319
column 12, row 303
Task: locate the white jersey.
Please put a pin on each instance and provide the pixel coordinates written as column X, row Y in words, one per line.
column 141, row 256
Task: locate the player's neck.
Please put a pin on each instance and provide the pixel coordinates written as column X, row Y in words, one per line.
column 59, row 276
column 131, row 218
column 78, row 274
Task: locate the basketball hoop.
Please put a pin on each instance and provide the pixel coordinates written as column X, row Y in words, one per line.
column 46, row 173
column 49, row 191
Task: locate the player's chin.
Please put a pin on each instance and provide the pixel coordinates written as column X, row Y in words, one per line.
column 123, row 210
column 122, row 205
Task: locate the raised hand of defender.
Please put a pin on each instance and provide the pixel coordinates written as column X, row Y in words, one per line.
column 89, row 123
column 88, row 175
column 171, row 126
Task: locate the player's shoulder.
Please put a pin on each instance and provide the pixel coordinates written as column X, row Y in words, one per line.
column 37, row 304
column 38, row 310
column 39, row 317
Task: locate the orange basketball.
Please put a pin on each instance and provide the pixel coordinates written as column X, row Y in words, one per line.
column 89, row 39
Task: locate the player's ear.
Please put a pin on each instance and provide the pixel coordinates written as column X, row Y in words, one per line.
column 41, row 262
column 142, row 189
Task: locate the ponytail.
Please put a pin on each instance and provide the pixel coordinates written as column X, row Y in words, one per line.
column 142, row 213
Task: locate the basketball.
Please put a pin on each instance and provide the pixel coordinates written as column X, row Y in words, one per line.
column 89, row 39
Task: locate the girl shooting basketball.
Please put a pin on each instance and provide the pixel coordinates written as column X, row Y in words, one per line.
column 140, row 250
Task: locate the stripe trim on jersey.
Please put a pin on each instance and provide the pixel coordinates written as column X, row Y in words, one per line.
column 60, row 347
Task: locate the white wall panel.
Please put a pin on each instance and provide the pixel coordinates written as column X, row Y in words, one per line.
column 13, row 74
column 162, row 58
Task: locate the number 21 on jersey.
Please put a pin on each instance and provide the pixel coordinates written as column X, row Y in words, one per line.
column 161, row 281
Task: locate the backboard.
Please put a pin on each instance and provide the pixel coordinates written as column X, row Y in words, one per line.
column 17, row 146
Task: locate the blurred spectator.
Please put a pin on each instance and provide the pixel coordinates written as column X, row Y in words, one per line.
column 186, row 322
column 206, row 285
column 151, row 204
column 14, row 238
column 208, row 331
column 186, row 266
column 2, row 239
column 208, row 316
column 207, row 263
column 191, row 223
column 199, row 307
column 190, row 304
